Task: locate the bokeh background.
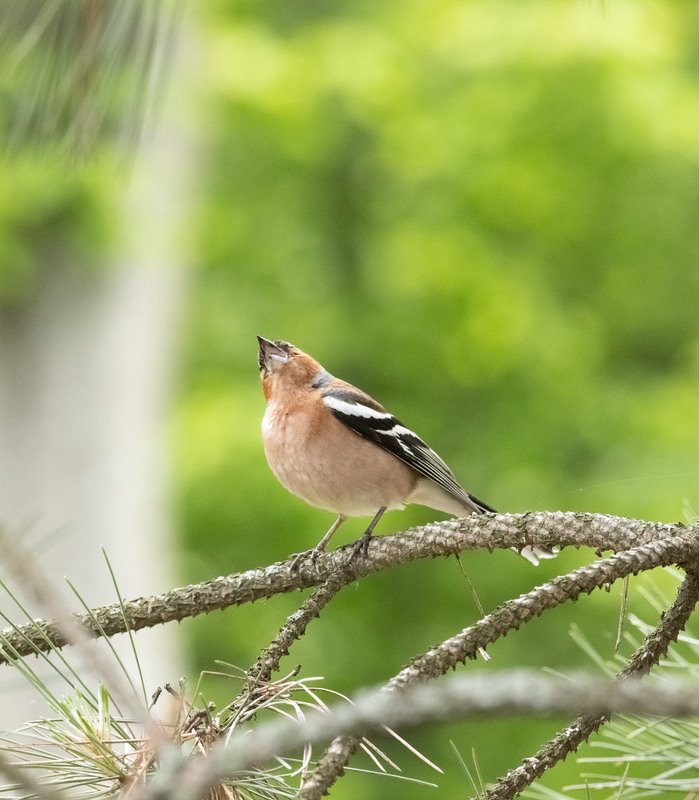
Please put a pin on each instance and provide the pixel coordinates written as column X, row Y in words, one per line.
column 483, row 213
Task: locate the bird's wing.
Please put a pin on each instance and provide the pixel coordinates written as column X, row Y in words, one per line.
column 363, row 415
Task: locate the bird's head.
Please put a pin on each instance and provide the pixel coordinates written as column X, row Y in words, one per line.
column 283, row 365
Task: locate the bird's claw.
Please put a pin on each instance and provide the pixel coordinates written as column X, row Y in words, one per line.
column 313, row 554
column 361, row 547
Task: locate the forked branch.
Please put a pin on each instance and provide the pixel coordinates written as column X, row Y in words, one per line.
column 570, row 738
column 511, row 615
column 487, row 531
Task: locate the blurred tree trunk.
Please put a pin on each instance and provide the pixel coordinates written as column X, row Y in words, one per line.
column 86, row 366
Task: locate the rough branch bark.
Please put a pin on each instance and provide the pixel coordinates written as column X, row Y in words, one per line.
column 268, row 660
column 639, row 545
column 509, row 616
column 570, row 738
column 488, row 531
column 473, row 697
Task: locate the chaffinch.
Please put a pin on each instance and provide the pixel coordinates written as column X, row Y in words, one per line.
column 335, row 447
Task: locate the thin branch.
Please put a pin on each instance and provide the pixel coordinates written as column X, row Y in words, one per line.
column 295, row 627
column 569, row 739
column 487, row 531
column 509, row 616
column 40, row 588
column 473, row 697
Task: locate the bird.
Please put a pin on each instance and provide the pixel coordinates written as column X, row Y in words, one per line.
column 338, row 449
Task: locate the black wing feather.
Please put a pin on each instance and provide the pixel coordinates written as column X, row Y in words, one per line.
column 390, row 434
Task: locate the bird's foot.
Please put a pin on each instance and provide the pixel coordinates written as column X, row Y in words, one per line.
column 361, row 546
column 313, row 554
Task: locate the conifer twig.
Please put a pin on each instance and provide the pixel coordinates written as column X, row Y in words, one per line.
column 486, row 531
column 568, row 739
column 509, row 616
column 295, row 627
column 460, row 696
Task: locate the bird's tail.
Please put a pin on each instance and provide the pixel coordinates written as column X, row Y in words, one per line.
column 479, row 505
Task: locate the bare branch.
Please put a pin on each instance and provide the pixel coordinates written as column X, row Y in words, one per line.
column 295, row 627
column 487, row 531
column 506, row 693
column 569, row 739
column 509, row 616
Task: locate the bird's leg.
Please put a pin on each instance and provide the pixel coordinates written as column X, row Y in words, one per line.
column 362, row 546
column 322, row 544
column 314, row 552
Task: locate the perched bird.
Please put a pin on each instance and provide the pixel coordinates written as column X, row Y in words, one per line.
column 335, row 447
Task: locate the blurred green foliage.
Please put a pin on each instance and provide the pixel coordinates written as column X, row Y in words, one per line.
column 47, row 215
column 484, row 214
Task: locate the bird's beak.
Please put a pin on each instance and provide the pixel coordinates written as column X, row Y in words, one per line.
column 270, row 352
